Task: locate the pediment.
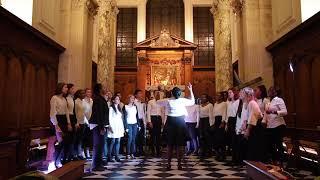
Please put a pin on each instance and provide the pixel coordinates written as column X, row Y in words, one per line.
column 165, row 40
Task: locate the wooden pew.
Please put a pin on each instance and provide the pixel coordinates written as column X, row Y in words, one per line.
column 261, row 171
column 70, row 171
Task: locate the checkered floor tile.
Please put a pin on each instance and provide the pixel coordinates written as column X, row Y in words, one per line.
column 154, row 168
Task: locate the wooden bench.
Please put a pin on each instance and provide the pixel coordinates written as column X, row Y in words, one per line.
column 261, row 171
column 70, row 171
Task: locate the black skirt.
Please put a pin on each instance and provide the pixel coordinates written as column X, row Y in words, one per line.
column 62, row 123
column 176, row 132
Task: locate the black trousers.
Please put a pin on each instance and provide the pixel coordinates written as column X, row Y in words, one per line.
column 73, row 136
column 141, row 138
column 231, row 131
column 239, row 149
column 219, row 138
column 275, row 139
column 63, row 149
column 255, row 152
column 204, row 131
column 156, row 134
column 98, row 147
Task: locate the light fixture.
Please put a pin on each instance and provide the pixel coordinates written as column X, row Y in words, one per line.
column 291, row 66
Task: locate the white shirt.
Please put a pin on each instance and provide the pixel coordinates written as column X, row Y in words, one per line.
column 153, row 109
column 193, row 114
column 207, row 112
column 141, row 110
column 115, row 123
column 131, row 114
column 176, row 107
column 70, row 104
column 241, row 120
column 262, row 104
column 220, row 109
column 254, row 113
column 275, row 120
column 79, row 109
column 58, row 106
column 87, row 103
column 232, row 108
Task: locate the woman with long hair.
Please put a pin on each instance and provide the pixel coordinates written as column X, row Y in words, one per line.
column 176, row 129
column 59, row 117
column 131, row 118
column 116, row 128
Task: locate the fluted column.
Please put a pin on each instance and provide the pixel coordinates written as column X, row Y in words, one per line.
column 107, row 15
column 222, row 38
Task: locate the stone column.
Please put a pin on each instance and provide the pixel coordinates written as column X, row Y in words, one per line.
column 188, row 20
column 141, row 21
column 107, row 15
column 222, row 39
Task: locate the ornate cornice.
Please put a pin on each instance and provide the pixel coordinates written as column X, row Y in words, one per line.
column 237, row 6
column 92, row 7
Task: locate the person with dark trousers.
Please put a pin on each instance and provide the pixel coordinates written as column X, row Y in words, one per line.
column 141, row 136
column 154, row 112
column 80, row 125
column 251, row 134
column 175, row 128
column 99, row 122
column 206, row 120
column 232, row 107
column 131, row 119
column 59, row 117
column 219, row 139
column 276, row 125
column 87, row 140
column 239, row 142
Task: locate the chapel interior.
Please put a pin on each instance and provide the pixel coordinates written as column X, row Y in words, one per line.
column 157, row 44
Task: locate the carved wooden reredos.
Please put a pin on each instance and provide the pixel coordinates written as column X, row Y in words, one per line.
column 164, row 59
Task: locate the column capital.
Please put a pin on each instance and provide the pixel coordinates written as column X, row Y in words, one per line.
column 237, row 6
column 226, row 5
column 77, row 4
column 109, row 7
column 92, row 7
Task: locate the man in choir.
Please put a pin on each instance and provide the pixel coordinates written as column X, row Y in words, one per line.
column 205, row 122
column 219, row 113
column 59, row 117
column 154, row 112
column 276, row 125
column 254, row 114
column 232, row 107
column 141, row 136
column 99, row 122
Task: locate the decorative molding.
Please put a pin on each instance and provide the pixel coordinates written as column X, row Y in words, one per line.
column 92, row 7
column 77, row 4
column 237, row 6
column 164, row 40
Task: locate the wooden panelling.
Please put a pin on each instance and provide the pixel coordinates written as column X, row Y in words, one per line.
column 126, row 83
column 204, row 82
column 301, row 87
column 28, row 72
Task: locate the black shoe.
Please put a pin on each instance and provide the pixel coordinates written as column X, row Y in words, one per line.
column 118, row 159
column 100, row 168
column 81, row 158
column 179, row 167
column 168, row 167
column 105, row 163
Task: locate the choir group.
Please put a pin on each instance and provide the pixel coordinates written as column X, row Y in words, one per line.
column 247, row 124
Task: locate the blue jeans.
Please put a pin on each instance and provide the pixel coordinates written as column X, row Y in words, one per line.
column 132, row 134
column 98, row 144
column 106, row 148
column 115, row 143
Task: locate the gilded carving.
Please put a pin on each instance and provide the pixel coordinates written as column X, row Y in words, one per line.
column 77, row 4
column 92, row 7
column 237, row 6
column 164, row 40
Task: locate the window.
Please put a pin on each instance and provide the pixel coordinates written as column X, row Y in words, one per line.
column 126, row 37
column 203, row 36
column 21, row 8
column 168, row 14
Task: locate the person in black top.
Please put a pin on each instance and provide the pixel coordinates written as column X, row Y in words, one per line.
column 99, row 122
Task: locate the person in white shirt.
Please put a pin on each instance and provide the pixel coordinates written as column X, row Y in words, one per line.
column 232, row 107
column 261, row 96
column 220, row 115
column 254, row 114
column 131, row 118
column 154, row 113
column 87, row 102
column 175, row 127
column 141, row 136
column 116, row 131
column 59, row 117
column 192, row 121
column 240, row 143
column 276, row 125
column 80, row 125
column 205, row 122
